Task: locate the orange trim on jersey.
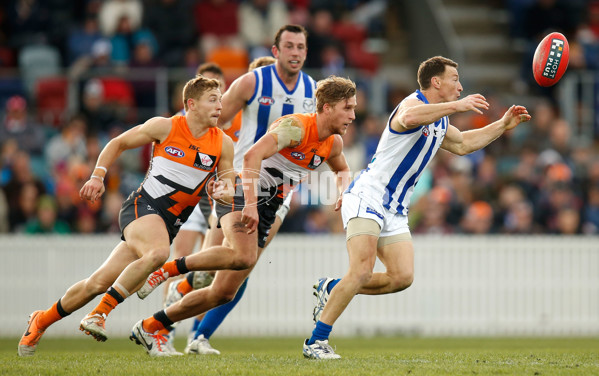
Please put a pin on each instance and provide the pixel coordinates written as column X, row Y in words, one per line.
column 135, row 204
column 233, row 130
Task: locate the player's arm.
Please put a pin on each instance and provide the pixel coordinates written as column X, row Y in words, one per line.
column 154, row 130
column 413, row 113
column 236, row 97
column 222, row 189
column 339, row 166
column 285, row 132
column 462, row 143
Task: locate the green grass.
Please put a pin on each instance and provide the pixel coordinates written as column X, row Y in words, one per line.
column 276, row 356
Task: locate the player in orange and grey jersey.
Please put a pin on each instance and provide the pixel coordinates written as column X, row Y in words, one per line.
column 187, row 150
column 274, row 162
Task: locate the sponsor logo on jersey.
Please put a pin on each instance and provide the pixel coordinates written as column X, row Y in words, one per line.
column 316, row 161
column 178, row 222
column 308, row 105
column 266, row 101
column 298, row 155
column 175, row 152
column 204, row 161
column 372, row 211
column 425, row 131
column 288, row 100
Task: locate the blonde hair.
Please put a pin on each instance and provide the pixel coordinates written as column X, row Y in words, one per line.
column 196, row 87
column 333, row 90
column 261, row 62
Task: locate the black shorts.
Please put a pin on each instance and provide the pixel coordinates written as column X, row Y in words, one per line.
column 136, row 206
column 267, row 211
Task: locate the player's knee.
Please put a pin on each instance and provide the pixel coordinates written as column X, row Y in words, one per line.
column 244, row 261
column 156, row 258
column 361, row 276
column 401, row 281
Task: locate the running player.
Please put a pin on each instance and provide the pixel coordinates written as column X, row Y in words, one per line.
column 262, row 96
column 195, row 227
column 186, row 152
column 295, row 145
column 375, row 207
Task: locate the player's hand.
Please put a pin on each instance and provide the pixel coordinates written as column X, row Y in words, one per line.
column 249, row 216
column 217, row 189
column 473, row 102
column 92, row 190
column 514, row 116
column 339, row 202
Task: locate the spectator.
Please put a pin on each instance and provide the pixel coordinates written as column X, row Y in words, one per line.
column 69, row 143
column 217, row 23
column 17, row 124
column 46, row 221
column 259, row 20
column 171, row 23
column 111, row 12
column 478, row 219
column 100, row 116
column 82, row 39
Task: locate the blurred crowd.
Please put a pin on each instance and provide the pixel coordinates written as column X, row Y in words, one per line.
column 537, row 179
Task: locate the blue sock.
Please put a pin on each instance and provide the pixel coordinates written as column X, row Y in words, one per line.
column 217, row 315
column 195, row 325
column 320, row 333
column 332, row 284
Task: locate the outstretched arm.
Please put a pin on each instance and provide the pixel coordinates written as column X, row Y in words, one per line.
column 462, row 143
column 236, row 97
column 414, row 113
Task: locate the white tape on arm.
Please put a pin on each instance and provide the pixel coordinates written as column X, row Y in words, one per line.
column 288, row 132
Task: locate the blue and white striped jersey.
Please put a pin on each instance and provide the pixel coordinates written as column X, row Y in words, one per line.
column 398, row 162
column 270, row 101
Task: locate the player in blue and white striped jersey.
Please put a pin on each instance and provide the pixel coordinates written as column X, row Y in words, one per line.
column 375, row 206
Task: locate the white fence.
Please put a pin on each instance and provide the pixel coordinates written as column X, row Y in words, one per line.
column 464, row 286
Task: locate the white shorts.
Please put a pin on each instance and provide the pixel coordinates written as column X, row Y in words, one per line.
column 196, row 221
column 359, row 205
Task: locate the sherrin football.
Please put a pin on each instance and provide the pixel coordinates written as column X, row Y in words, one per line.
column 551, row 59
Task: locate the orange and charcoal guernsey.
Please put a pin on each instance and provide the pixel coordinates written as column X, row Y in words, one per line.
column 181, row 166
column 233, row 130
column 291, row 165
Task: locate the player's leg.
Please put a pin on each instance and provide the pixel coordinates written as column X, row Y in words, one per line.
column 152, row 248
column 76, row 297
column 398, row 258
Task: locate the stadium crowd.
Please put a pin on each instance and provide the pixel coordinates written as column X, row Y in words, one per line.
column 536, row 179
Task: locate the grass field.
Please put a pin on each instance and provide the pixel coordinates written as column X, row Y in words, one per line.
column 276, row 356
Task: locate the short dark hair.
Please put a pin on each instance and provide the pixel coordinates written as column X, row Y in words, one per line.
column 435, row 66
column 210, row 67
column 292, row 29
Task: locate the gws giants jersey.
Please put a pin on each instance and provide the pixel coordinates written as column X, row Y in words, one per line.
column 180, row 167
column 287, row 168
column 270, row 101
column 399, row 161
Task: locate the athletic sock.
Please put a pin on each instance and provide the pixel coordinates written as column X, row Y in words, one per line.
column 216, row 316
column 53, row 314
column 185, row 286
column 195, row 325
column 320, row 333
column 175, row 267
column 332, row 284
column 109, row 302
column 157, row 322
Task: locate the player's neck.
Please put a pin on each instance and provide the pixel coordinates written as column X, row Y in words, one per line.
column 323, row 127
column 288, row 78
column 196, row 127
column 431, row 96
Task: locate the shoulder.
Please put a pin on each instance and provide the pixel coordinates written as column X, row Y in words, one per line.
column 243, row 86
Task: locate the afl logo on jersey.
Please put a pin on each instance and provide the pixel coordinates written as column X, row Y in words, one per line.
column 175, row 152
column 298, row 155
column 425, row 131
column 266, row 101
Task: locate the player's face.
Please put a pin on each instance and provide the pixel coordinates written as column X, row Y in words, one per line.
column 451, row 87
column 342, row 114
column 208, row 107
column 291, row 52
